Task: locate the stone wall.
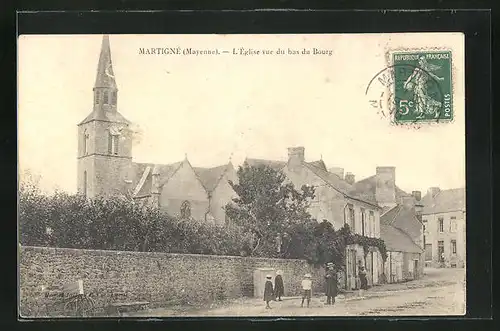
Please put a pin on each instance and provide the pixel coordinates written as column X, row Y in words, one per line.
column 160, row 278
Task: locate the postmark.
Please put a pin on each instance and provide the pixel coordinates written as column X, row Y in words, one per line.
column 416, row 88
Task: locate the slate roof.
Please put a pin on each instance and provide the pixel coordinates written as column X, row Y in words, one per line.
column 404, row 219
column 108, row 116
column 166, row 171
column 320, row 170
column 445, row 201
column 367, row 188
column 210, row 177
column 276, row 165
column 397, row 240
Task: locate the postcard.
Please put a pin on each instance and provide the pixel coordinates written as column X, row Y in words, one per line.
column 241, row 175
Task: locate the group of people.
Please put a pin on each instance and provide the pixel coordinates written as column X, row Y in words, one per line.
column 331, row 286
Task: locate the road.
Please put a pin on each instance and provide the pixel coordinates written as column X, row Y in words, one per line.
column 440, row 292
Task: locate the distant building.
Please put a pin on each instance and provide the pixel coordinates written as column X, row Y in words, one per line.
column 444, row 217
column 105, row 166
column 400, row 224
column 338, row 202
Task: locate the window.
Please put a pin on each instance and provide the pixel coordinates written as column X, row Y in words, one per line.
column 85, row 183
column 96, row 97
column 453, row 224
column 441, row 224
column 105, row 97
column 363, row 227
column 424, row 222
column 441, row 250
column 113, row 142
column 428, row 252
column 85, row 142
column 351, row 221
column 372, row 223
column 110, row 143
column 186, row 209
column 113, row 98
column 453, row 247
column 424, row 241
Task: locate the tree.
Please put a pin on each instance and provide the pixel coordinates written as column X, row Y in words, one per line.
column 269, row 209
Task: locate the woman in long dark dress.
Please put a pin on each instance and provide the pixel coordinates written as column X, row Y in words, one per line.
column 362, row 280
column 268, row 291
column 331, row 284
column 279, row 288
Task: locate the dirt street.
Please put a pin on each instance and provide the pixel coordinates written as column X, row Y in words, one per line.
column 440, row 292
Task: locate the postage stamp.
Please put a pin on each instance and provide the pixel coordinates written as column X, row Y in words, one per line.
column 422, row 86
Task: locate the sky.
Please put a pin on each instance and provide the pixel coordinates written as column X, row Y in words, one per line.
column 213, row 108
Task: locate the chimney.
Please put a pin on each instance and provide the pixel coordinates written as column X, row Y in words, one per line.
column 417, row 195
column 295, row 158
column 433, row 191
column 385, row 191
column 408, row 201
column 349, row 178
column 337, row 171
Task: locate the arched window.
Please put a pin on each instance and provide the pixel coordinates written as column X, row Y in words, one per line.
column 186, row 209
column 85, row 183
column 105, row 97
column 85, row 142
column 113, row 142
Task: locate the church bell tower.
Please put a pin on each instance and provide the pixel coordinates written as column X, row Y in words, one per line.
column 104, row 139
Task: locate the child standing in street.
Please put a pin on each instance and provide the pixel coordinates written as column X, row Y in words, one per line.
column 268, row 291
column 306, row 288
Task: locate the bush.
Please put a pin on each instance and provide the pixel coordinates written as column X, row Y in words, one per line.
column 71, row 221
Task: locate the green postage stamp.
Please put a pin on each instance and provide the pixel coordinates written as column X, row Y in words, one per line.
column 422, row 86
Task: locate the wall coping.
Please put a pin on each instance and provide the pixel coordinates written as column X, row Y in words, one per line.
column 102, row 252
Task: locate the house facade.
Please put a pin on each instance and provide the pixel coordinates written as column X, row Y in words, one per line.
column 105, row 166
column 337, row 202
column 444, row 218
column 401, row 227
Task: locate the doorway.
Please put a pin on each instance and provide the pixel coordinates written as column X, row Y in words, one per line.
column 415, row 269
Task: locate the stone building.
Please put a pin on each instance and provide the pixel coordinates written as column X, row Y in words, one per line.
column 444, row 217
column 338, row 202
column 400, row 222
column 105, row 166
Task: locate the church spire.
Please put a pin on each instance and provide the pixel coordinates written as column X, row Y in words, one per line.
column 105, row 90
column 105, row 75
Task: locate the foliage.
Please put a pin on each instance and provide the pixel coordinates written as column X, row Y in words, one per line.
column 72, row 221
column 268, row 219
column 270, row 210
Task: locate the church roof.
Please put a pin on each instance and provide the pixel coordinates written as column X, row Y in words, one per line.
column 143, row 176
column 105, row 75
column 210, row 177
column 107, row 116
column 444, row 201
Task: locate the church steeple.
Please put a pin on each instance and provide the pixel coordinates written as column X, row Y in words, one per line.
column 105, row 89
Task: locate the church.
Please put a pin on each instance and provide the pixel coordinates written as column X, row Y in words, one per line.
column 105, row 166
